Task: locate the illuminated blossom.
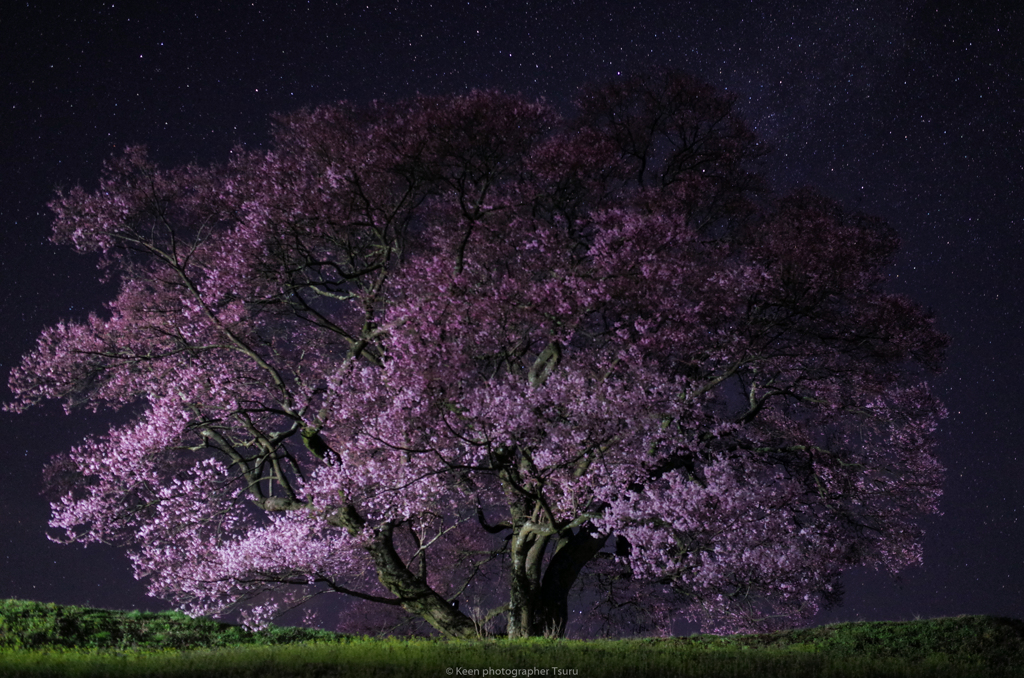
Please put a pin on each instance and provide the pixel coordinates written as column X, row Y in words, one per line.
column 430, row 351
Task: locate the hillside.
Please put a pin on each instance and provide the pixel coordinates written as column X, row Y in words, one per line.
column 968, row 641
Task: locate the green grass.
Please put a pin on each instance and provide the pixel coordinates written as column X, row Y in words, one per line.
column 48, row 640
column 995, row 641
column 28, row 625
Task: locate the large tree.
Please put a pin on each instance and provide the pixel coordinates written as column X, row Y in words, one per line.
column 428, row 351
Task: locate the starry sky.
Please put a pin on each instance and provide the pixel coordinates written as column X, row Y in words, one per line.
column 912, row 110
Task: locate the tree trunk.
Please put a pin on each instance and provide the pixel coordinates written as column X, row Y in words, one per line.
column 412, row 591
column 416, row 596
column 571, row 555
column 529, row 542
column 539, row 606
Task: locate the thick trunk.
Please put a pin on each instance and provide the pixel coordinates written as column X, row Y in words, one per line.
column 570, row 557
column 539, row 599
column 539, row 606
column 529, row 543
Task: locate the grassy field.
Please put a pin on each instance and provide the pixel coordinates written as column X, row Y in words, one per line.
column 38, row 639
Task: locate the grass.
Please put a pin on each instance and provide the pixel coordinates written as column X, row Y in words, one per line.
column 25, row 624
column 39, row 639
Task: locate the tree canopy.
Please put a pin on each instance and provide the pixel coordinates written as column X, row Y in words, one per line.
column 467, row 349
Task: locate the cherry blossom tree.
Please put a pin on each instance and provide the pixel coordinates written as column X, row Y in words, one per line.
column 465, row 348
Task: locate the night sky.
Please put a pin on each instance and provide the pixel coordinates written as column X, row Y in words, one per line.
column 910, row 110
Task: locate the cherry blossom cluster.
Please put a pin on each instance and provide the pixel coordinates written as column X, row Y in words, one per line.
column 423, row 351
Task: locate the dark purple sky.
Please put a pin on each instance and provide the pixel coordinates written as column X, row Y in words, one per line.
column 910, row 109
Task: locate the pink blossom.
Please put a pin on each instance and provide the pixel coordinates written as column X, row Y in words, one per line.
column 444, row 348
